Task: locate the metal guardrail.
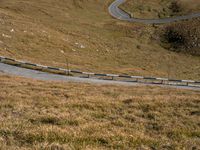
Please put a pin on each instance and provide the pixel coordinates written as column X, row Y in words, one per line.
column 125, row 78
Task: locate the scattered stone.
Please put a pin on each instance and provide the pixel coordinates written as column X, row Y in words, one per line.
column 44, row 31
column 6, row 36
column 80, row 45
column 66, row 40
column 12, row 30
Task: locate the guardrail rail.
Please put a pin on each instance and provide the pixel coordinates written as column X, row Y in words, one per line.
column 124, row 78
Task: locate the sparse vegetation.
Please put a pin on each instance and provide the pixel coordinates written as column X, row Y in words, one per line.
column 68, row 116
column 160, row 8
column 175, row 7
column 50, row 115
column 83, row 34
column 182, row 37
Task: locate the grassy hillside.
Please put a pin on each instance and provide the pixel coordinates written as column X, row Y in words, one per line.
column 50, row 115
column 160, row 8
column 41, row 31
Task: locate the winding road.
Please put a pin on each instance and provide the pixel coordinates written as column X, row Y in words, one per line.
column 44, row 76
column 117, row 13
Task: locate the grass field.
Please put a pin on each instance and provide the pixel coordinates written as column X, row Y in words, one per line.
column 59, row 116
column 70, row 116
column 89, row 37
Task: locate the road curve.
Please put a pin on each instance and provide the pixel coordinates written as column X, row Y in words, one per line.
column 118, row 13
column 115, row 12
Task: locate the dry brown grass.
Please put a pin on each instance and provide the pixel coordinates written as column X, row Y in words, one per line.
column 160, row 8
column 42, row 31
column 50, row 115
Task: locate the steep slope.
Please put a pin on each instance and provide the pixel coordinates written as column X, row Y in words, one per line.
column 83, row 34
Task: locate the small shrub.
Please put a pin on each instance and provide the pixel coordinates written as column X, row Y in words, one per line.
column 174, row 37
column 50, row 120
column 138, row 47
column 175, row 7
column 181, row 37
column 54, row 121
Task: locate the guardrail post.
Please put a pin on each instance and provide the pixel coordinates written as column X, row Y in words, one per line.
column 65, row 72
column 162, row 81
column 68, row 72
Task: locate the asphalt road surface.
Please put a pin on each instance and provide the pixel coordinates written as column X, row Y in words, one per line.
column 38, row 75
column 117, row 13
